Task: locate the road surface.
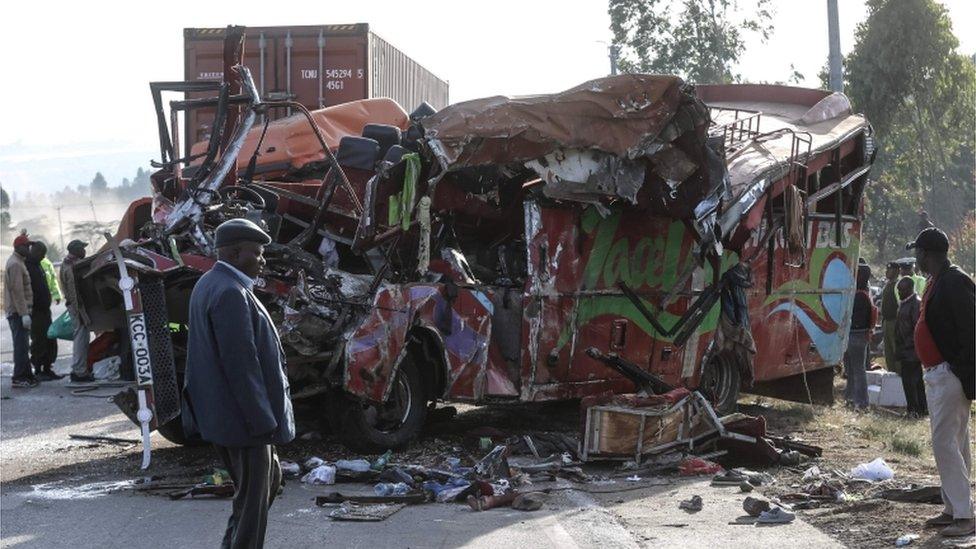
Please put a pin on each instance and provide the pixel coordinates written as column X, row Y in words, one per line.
column 58, row 492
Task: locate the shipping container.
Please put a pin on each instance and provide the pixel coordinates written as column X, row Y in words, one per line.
column 315, row 65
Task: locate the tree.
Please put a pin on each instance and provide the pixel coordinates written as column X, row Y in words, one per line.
column 99, row 185
column 701, row 42
column 5, row 227
column 904, row 73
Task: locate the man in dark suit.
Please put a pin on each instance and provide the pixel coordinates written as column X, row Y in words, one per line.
column 945, row 346
column 236, row 393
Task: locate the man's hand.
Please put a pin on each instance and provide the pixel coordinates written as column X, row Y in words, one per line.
column 25, row 321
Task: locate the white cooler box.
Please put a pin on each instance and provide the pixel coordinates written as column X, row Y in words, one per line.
column 885, row 389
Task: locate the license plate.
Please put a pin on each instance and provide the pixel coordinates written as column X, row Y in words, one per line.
column 139, row 336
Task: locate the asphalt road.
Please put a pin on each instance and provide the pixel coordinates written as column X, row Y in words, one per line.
column 6, row 350
column 59, row 492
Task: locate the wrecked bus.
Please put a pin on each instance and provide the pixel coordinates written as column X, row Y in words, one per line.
column 505, row 249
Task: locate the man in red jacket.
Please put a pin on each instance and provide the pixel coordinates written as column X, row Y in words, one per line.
column 945, row 345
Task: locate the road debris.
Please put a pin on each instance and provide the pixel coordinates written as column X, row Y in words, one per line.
column 755, row 506
column 692, row 505
column 906, row 539
column 360, row 512
column 102, row 438
column 874, row 471
column 776, row 515
column 323, row 474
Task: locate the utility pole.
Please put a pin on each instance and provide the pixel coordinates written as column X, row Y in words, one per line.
column 834, row 61
column 614, row 55
column 60, row 228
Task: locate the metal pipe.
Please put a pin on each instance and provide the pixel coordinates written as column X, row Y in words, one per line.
column 325, row 147
column 834, row 60
column 288, row 44
column 174, row 123
column 262, row 46
column 321, row 44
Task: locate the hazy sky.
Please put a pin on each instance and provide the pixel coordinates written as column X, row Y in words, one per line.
column 77, row 73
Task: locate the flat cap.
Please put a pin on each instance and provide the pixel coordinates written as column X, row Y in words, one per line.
column 77, row 245
column 931, row 239
column 239, row 230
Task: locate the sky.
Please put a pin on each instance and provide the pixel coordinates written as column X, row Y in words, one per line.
column 82, row 68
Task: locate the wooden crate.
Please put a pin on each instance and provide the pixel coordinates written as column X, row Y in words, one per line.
column 625, row 433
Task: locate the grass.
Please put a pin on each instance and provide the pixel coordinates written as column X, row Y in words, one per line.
column 898, row 435
column 907, row 437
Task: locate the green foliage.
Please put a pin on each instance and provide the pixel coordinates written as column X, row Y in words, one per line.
column 701, row 40
column 904, row 73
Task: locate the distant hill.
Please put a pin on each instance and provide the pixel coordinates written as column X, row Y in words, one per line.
column 36, row 169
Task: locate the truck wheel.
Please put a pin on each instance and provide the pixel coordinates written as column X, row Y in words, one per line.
column 720, row 382
column 370, row 428
column 172, row 431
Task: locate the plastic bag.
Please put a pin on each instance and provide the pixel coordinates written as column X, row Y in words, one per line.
column 323, row 474
column 354, row 465
column 875, row 470
column 62, row 328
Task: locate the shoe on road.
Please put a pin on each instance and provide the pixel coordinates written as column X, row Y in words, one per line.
column 755, row 506
column 729, row 478
column 959, row 527
column 776, row 515
column 692, row 505
column 44, row 375
column 941, row 519
column 87, row 378
column 27, row 383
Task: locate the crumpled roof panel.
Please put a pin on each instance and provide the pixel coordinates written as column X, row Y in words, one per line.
column 618, row 115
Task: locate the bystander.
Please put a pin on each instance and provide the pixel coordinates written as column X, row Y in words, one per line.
column 945, row 345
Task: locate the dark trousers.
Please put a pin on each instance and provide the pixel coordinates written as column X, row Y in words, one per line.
column 911, row 381
column 43, row 350
column 855, row 364
column 257, row 477
column 21, row 342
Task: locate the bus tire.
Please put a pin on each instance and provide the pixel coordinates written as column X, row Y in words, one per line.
column 720, row 382
column 172, row 431
column 370, row 428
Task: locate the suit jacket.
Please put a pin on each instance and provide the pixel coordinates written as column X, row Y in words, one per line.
column 236, row 389
column 950, row 313
column 905, row 330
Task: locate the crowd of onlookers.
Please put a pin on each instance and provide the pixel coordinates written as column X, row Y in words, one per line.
column 928, row 326
column 30, row 288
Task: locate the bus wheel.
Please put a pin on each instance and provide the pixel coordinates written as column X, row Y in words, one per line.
column 371, row 428
column 172, row 431
column 720, row 382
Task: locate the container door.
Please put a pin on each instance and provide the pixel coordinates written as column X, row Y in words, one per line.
column 205, row 62
column 342, row 61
